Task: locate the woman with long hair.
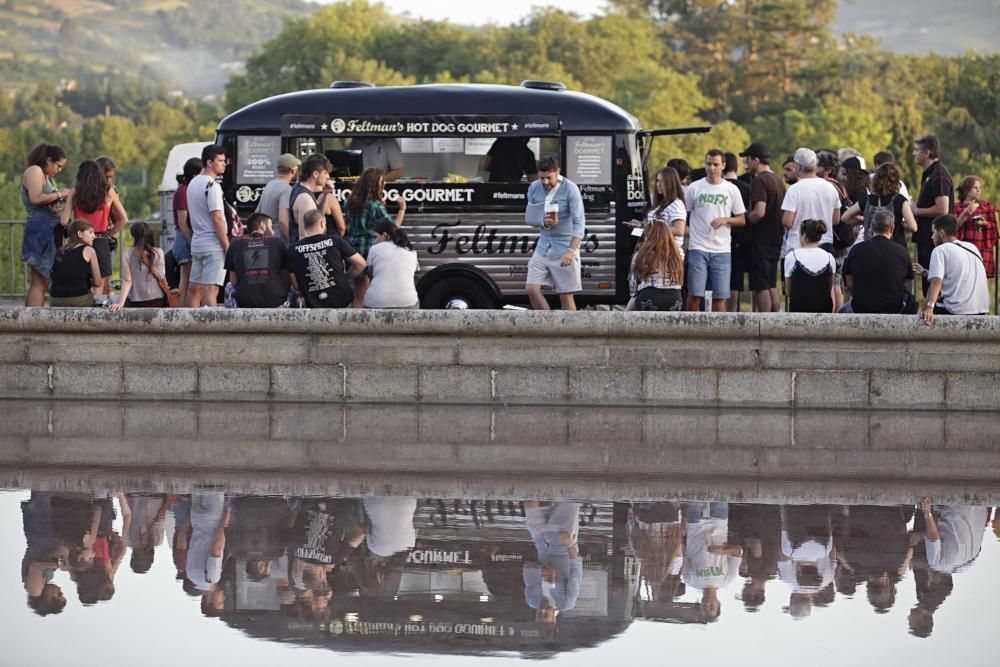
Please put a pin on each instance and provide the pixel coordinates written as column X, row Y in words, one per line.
column 182, row 240
column 43, row 203
column 668, row 204
column 93, row 199
column 884, row 194
column 142, row 268
column 977, row 220
column 657, row 271
column 809, row 272
column 392, row 263
column 364, row 208
column 76, row 274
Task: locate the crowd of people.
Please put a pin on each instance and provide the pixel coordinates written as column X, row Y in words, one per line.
column 303, row 552
column 829, row 228
column 833, row 233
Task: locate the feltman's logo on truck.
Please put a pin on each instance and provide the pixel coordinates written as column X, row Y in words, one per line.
column 337, row 126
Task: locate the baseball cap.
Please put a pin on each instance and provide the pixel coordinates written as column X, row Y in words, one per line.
column 757, row 150
column 288, row 162
column 855, row 163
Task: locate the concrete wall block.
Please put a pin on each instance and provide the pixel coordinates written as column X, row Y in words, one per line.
column 379, row 425
column 14, row 449
column 971, row 430
column 531, row 385
column 683, row 353
column 109, row 347
column 828, row 429
column 501, row 352
column 157, row 380
column 831, row 389
column 382, row 383
column 308, row 421
column 530, row 426
column 162, row 419
column 239, row 420
column 392, row 350
column 72, row 419
column 665, row 428
column 90, row 380
column 605, row 426
column 469, row 384
column 616, row 386
column 898, row 389
column 755, row 387
column 815, row 353
column 29, row 417
column 13, row 348
column 235, row 348
column 681, row 386
column 243, row 381
column 308, row 383
column 445, row 425
column 17, row 380
column 973, row 391
column 765, row 429
column 902, row 430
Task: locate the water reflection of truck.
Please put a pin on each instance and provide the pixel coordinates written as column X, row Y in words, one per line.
column 470, row 233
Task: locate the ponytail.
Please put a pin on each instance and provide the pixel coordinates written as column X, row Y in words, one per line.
column 43, row 152
column 388, row 227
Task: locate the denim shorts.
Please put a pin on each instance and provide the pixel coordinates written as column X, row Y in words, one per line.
column 39, row 246
column 182, row 249
column 208, row 268
column 708, row 271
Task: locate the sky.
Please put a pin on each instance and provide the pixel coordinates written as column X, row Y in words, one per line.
column 478, row 12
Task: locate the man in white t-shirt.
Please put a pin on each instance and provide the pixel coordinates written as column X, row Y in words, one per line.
column 209, row 241
column 957, row 275
column 715, row 205
column 710, row 562
column 810, row 198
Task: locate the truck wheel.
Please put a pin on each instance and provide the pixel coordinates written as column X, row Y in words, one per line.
column 459, row 294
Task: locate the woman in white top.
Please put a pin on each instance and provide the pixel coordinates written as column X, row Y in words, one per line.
column 392, row 263
column 143, row 262
column 668, row 205
column 809, row 272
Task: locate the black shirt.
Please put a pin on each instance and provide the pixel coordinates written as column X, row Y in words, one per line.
column 260, row 263
column 768, row 188
column 318, row 264
column 71, row 273
column 741, row 235
column 935, row 182
column 510, row 158
column 878, row 268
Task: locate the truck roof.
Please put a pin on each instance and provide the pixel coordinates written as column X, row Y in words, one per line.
column 578, row 112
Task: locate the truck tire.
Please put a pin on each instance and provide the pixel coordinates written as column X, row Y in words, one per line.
column 459, row 293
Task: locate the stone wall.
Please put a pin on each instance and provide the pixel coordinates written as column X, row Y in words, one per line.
column 503, row 358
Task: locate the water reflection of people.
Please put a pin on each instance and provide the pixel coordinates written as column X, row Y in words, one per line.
column 254, row 535
column 874, row 547
column 952, row 537
column 757, row 528
column 508, row 159
column 710, row 562
column 143, row 518
column 657, row 536
column 43, row 555
column 210, row 514
column 806, row 562
column 552, row 583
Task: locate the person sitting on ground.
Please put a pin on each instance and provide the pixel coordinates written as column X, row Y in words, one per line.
column 76, row 274
column 94, row 200
column 809, row 272
column 392, row 263
column 657, row 271
column 884, row 195
column 316, row 263
column 363, row 208
column 258, row 265
column 977, row 220
column 878, row 272
column 141, row 271
column 957, row 275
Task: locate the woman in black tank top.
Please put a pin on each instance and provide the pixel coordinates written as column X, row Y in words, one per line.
column 76, row 270
column 810, row 289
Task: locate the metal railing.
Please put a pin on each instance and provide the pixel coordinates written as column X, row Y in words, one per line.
column 14, row 276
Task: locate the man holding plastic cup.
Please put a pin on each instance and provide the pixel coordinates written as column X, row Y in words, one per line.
column 556, row 207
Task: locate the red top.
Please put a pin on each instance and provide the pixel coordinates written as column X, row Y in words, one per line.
column 100, row 219
column 984, row 238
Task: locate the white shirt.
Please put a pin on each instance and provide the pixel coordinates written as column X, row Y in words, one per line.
column 392, row 528
column 207, row 511
column 392, row 269
column 708, row 202
column 964, row 288
column 811, row 259
column 204, row 195
column 809, row 199
column 703, row 569
column 675, row 210
column 961, row 529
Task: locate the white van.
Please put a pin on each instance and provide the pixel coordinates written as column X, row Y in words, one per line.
column 179, row 154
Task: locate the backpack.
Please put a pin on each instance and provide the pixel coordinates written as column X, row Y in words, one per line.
column 844, row 234
column 871, row 208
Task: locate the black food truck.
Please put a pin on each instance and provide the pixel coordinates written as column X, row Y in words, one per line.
column 467, row 228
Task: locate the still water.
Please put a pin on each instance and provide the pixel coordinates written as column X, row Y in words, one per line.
column 99, row 575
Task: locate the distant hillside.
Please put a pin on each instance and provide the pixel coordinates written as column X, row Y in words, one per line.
column 185, row 45
column 922, row 26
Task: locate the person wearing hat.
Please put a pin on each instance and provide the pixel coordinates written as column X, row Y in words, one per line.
column 274, row 197
column 766, row 232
